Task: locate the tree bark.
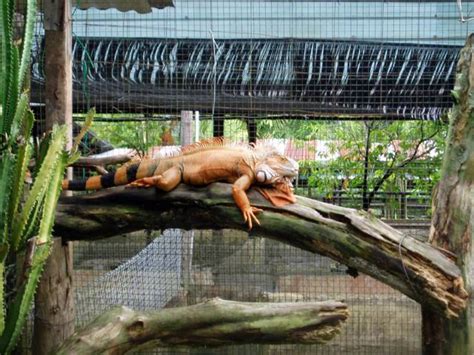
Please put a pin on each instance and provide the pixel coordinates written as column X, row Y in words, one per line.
column 352, row 237
column 54, row 302
column 212, row 323
column 453, row 218
column 92, row 161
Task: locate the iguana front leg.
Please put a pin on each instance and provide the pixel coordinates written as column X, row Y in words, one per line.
column 241, row 200
column 166, row 181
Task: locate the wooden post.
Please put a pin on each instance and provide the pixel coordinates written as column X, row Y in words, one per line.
column 186, row 127
column 452, row 224
column 58, row 63
column 54, row 303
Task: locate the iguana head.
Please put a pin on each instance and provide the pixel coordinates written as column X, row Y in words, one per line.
column 276, row 169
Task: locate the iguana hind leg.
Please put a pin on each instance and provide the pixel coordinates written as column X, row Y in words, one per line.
column 166, row 181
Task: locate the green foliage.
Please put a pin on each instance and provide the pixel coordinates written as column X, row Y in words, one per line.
column 397, row 152
column 135, row 135
column 143, row 135
column 26, row 219
column 295, row 129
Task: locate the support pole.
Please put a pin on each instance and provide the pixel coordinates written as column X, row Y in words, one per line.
column 252, row 130
column 218, row 126
column 186, row 127
column 54, row 303
column 197, row 128
column 187, row 237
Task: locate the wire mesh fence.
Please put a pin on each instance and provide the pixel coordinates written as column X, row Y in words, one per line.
column 183, row 268
column 356, row 91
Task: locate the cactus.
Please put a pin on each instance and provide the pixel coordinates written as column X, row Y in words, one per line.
column 23, row 225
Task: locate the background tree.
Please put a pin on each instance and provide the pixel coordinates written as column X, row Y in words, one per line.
column 362, row 159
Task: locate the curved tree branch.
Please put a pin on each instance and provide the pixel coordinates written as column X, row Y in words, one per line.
column 352, row 237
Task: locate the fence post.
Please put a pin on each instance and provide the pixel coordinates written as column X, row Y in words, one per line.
column 54, row 302
column 187, row 237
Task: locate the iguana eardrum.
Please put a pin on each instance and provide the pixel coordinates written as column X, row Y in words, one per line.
column 206, row 162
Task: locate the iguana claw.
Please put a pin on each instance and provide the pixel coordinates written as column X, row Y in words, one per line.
column 249, row 215
column 144, row 182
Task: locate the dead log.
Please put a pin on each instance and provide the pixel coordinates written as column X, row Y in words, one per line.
column 212, row 323
column 354, row 238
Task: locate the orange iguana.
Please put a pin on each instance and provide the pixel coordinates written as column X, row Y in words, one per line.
column 206, row 162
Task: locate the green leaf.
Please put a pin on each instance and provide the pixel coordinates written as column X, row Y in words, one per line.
column 2, row 298
column 73, row 158
column 50, row 201
column 42, row 198
column 11, row 94
column 19, row 116
column 54, row 163
column 87, row 124
column 41, row 183
column 17, row 184
column 21, row 305
column 27, row 41
column 7, row 163
column 6, row 16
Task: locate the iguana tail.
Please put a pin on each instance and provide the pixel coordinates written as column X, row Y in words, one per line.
column 122, row 176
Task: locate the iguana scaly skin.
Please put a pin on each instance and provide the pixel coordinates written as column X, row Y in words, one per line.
column 206, row 162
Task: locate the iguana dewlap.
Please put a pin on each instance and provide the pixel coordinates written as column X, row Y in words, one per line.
column 206, row 162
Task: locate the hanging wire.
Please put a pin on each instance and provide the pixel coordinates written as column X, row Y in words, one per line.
column 461, row 14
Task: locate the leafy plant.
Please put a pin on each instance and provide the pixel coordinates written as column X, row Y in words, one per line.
column 365, row 158
column 26, row 219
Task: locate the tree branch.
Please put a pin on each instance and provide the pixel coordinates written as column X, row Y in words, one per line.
column 212, row 323
column 391, row 169
column 103, row 160
column 352, row 237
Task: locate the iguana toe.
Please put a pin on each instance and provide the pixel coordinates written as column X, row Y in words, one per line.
column 249, row 215
column 144, row 182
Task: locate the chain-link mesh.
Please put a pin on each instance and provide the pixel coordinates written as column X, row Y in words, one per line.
column 356, row 91
column 179, row 269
